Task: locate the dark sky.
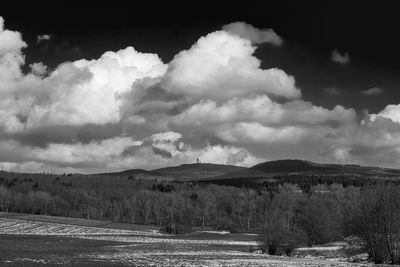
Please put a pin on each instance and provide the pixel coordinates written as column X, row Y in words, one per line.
column 367, row 30
column 213, row 101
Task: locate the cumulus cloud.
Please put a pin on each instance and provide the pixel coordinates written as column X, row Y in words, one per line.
column 221, row 65
column 43, row 37
column 11, row 57
column 38, row 69
column 11, row 41
column 261, row 110
column 375, row 142
column 80, row 92
column 391, row 112
column 336, row 56
column 256, row 36
column 372, row 91
column 213, row 101
column 168, row 148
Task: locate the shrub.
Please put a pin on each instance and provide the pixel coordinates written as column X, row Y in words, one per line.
column 377, row 223
column 354, row 246
column 275, row 239
column 177, row 229
column 226, row 223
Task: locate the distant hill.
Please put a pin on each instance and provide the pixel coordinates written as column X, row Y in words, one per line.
column 137, row 174
column 130, row 172
column 300, row 171
column 291, row 165
column 270, row 173
column 198, row 171
column 185, row 172
column 278, row 171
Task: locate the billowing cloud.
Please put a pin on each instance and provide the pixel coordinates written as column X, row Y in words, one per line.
column 336, row 56
column 372, row 91
column 213, row 101
column 38, row 69
column 375, row 142
column 391, row 112
column 256, row 36
column 78, row 93
column 221, row 65
column 11, row 58
column 11, row 41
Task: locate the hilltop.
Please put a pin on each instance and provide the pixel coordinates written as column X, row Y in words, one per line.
column 300, row 171
column 198, row 171
column 191, row 172
column 287, row 170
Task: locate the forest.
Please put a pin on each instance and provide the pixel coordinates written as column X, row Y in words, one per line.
column 284, row 215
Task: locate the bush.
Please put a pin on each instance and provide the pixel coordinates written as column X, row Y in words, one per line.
column 226, row 223
column 354, row 246
column 377, row 223
column 276, row 240
column 234, row 229
column 177, row 229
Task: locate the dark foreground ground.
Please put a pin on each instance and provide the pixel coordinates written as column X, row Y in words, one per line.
column 28, row 250
column 39, row 241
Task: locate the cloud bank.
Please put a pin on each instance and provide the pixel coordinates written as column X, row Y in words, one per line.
column 213, row 101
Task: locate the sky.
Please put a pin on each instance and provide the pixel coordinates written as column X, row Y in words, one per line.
column 100, row 87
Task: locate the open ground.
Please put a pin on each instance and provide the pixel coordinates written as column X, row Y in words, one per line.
column 31, row 240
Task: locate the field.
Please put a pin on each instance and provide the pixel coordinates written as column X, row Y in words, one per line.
column 29, row 240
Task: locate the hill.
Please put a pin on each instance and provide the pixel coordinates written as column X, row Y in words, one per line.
column 198, row 171
column 291, row 165
column 302, row 166
column 278, row 171
column 137, row 174
column 301, row 171
column 191, row 172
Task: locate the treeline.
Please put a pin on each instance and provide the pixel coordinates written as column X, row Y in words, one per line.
column 306, row 181
column 285, row 216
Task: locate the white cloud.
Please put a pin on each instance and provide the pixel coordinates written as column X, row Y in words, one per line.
column 391, row 112
column 166, row 136
column 79, row 92
column 256, row 36
column 10, row 41
column 38, row 69
column 342, row 155
column 372, row 91
column 254, row 132
column 11, row 58
column 336, row 56
column 128, row 109
column 263, row 110
column 221, row 65
column 67, row 157
column 43, row 37
column 375, row 141
column 171, row 153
